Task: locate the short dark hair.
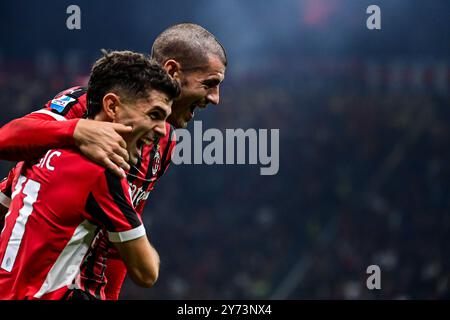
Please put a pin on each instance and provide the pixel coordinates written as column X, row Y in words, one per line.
column 130, row 75
column 189, row 44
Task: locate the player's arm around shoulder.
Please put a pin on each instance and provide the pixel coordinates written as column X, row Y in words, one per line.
column 28, row 137
column 99, row 141
column 112, row 205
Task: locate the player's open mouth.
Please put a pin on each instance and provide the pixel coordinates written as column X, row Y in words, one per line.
column 140, row 143
column 145, row 140
column 194, row 106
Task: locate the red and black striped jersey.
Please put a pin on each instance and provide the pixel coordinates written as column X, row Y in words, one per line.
column 58, row 206
column 102, row 272
column 154, row 160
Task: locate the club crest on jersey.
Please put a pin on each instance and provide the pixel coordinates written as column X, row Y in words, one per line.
column 60, row 103
column 156, row 161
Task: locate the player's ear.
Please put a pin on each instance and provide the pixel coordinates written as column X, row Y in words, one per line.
column 173, row 68
column 111, row 103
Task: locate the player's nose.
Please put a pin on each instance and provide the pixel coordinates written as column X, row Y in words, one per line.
column 160, row 129
column 213, row 96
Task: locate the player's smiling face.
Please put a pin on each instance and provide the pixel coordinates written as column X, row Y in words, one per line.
column 148, row 119
column 198, row 88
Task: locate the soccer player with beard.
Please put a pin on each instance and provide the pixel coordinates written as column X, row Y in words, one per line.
column 193, row 57
column 61, row 201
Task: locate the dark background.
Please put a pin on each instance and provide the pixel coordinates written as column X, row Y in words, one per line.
column 364, row 158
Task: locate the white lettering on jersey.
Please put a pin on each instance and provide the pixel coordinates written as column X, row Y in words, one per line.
column 137, row 194
column 45, row 161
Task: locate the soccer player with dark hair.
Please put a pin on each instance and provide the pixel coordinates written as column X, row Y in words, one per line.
column 197, row 61
column 62, row 201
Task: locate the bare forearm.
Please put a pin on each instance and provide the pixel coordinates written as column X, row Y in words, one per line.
column 141, row 259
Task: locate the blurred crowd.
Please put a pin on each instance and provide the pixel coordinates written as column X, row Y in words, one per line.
column 364, row 180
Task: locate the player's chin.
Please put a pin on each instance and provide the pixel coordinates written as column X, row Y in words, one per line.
column 188, row 118
column 181, row 124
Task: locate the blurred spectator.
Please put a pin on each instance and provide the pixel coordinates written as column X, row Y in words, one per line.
column 364, row 179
